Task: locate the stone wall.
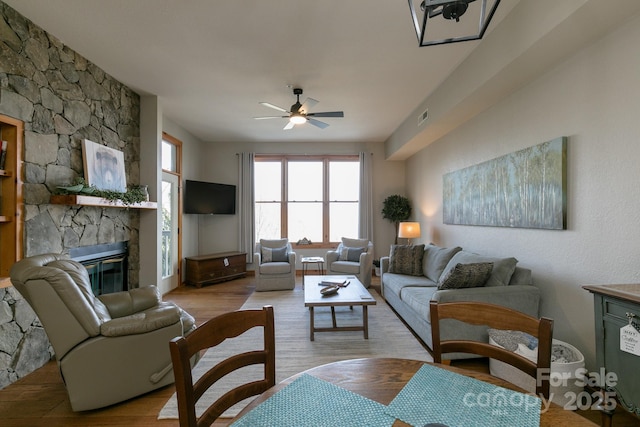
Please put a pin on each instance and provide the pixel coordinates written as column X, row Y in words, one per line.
column 23, row 343
column 62, row 98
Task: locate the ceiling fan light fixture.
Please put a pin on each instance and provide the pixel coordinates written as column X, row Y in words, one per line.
column 442, row 21
column 300, row 114
column 297, row 118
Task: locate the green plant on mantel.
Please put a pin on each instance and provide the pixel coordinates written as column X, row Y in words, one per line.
column 396, row 208
column 134, row 194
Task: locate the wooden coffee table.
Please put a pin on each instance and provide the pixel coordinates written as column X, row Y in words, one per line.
column 352, row 295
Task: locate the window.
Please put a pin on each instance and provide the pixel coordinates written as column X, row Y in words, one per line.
column 171, row 212
column 170, row 155
column 315, row 197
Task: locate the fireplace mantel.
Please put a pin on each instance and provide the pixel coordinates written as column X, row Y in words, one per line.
column 73, row 199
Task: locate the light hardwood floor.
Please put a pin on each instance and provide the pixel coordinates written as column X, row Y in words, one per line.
column 40, row 399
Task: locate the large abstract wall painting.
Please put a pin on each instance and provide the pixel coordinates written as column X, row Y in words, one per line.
column 524, row 189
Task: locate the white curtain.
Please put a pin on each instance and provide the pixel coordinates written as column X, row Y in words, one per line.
column 366, row 197
column 246, row 204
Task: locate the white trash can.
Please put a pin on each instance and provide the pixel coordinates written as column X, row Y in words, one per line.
column 560, row 394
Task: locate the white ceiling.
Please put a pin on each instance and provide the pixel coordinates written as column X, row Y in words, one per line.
column 211, row 62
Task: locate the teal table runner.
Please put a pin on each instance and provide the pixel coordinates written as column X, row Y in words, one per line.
column 436, row 395
column 311, row 402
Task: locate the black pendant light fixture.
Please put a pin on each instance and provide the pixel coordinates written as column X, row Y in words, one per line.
column 450, row 21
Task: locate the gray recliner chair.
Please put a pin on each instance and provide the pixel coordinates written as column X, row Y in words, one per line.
column 109, row 348
column 352, row 256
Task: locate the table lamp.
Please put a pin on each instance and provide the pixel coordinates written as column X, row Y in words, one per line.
column 409, row 230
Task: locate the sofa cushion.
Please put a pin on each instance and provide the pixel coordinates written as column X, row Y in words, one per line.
column 521, row 276
column 350, row 254
column 502, row 267
column 275, row 268
column 418, row 298
column 466, row 276
column 406, row 259
column 396, row 282
column 274, row 254
column 346, row 267
column 436, row 259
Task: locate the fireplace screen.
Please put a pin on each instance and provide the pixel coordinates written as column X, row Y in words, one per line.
column 107, row 266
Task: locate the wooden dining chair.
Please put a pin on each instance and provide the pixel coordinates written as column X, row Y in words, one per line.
column 497, row 317
column 210, row 334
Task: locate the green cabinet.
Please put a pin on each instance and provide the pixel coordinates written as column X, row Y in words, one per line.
column 616, row 307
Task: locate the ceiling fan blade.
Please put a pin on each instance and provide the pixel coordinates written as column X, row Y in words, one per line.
column 318, row 123
column 275, row 107
column 328, row 114
column 289, row 125
column 271, row 117
column 307, row 105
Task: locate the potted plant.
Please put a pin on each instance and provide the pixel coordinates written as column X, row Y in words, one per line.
column 396, row 209
column 134, row 194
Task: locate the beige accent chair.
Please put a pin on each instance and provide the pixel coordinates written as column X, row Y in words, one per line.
column 275, row 264
column 109, row 348
column 347, row 259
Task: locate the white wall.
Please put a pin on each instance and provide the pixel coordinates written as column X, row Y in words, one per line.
column 150, row 220
column 191, row 169
column 593, row 98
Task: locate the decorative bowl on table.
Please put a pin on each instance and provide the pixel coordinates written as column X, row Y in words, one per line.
column 329, row 290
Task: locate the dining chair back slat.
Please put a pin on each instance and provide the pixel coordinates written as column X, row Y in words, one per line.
column 210, row 334
column 496, row 317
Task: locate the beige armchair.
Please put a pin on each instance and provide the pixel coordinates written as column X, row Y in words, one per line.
column 275, row 264
column 110, row 348
column 352, row 256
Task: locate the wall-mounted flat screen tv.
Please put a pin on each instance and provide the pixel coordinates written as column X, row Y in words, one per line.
column 209, row 198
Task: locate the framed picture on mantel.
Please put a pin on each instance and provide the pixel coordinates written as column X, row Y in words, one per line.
column 104, row 167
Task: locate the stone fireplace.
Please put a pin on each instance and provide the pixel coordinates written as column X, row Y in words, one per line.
column 62, row 98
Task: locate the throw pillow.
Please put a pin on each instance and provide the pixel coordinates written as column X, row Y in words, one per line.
column 503, row 268
column 350, row 254
column 466, row 276
column 355, row 243
column 406, row 259
column 274, row 254
column 436, row 259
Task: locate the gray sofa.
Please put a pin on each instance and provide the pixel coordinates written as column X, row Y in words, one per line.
column 410, row 294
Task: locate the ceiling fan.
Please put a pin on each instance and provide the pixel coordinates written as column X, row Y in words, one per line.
column 299, row 113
